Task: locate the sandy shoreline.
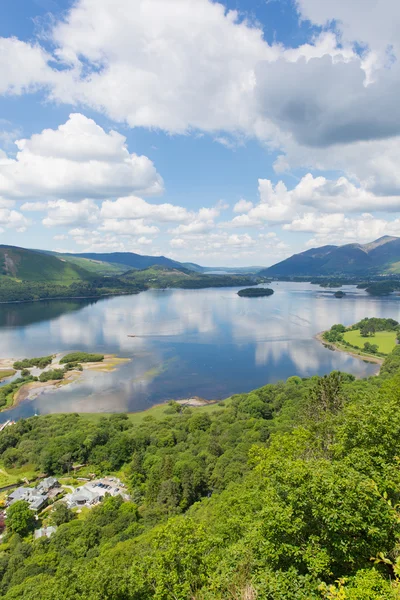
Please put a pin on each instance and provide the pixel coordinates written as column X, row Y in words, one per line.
column 33, row 389
column 364, row 357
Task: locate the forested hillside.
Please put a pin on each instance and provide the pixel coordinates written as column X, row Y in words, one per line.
column 289, row 492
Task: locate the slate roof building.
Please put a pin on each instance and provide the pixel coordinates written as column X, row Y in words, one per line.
column 45, row 532
column 35, row 498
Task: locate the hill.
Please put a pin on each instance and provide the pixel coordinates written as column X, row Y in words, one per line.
column 165, row 277
column 128, row 259
column 380, row 257
column 27, row 275
column 289, row 492
column 96, row 267
column 33, row 265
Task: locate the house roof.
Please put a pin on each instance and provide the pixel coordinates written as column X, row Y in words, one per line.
column 45, row 532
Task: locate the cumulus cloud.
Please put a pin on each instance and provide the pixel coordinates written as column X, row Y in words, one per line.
column 132, row 207
column 24, row 67
column 278, row 204
column 63, row 213
column 128, row 227
column 77, row 160
column 242, row 206
column 12, row 219
column 340, row 229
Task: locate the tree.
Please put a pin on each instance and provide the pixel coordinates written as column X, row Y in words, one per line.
column 61, row 514
column 20, row 519
column 368, row 329
column 372, row 348
column 326, row 396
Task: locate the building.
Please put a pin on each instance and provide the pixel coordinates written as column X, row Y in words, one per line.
column 92, row 493
column 35, row 498
column 47, row 484
column 83, row 496
column 45, row 532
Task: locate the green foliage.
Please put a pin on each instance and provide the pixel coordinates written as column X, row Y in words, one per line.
column 61, row 514
column 371, row 348
column 52, row 375
column 20, row 518
column 81, row 357
column 255, row 292
column 167, row 277
column 288, row 492
column 7, row 391
column 376, row 324
column 27, row 363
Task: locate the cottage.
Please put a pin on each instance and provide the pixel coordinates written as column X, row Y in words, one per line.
column 18, row 494
column 47, row 484
column 45, row 532
column 83, row 496
column 35, row 498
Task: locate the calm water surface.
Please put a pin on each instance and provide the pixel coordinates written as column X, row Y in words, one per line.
column 208, row 343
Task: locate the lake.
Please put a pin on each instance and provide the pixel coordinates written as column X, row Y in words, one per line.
column 208, row 343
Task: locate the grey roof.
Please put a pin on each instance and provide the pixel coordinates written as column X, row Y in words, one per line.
column 45, row 532
column 37, row 502
column 48, row 483
column 18, row 494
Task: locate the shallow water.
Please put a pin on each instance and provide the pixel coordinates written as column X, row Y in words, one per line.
column 208, row 343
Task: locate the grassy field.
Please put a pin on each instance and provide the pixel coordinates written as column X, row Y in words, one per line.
column 6, row 373
column 385, row 340
column 160, row 411
column 11, row 476
column 95, row 266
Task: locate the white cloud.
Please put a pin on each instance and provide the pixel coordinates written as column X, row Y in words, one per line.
column 12, row 219
column 128, row 227
column 340, row 229
column 63, row 213
column 196, row 226
column 242, row 206
column 132, row 207
column 23, row 67
column 369, row 22
column 278, row 204
column 77, row 160
column 178, row 243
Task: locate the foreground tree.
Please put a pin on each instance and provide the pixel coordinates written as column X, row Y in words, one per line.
column 20, row 519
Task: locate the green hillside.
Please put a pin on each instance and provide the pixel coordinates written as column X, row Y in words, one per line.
column 166, row 277
column 96, row 267
column 289, row 492
column 31, row 265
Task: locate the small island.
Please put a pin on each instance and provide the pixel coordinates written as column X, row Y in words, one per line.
column 255, row 292
column 371, row 338
column 339, row 294
column 34, row 375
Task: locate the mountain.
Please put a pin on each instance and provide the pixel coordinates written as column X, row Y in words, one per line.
column 129, row 259
column 33, row 265
column 167, row 277
column 231, row 270
column 380, row 257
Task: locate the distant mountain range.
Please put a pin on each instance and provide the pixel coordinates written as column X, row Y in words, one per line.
column 381, row 257
column 27, row 275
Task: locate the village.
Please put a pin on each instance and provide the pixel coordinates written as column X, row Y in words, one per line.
column 49, row 492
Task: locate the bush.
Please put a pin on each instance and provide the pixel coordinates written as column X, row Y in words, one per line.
column 81, row 357
column 27, row 363
column 53, row 375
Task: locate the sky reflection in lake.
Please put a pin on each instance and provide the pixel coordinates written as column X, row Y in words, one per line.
column 208, row 343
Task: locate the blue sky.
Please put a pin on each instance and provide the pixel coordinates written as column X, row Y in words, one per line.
column 183, row 128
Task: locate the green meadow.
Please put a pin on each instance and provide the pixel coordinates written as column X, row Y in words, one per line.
column 385, row 340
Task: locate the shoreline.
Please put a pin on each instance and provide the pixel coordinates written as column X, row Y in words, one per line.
column 351, row 352
column 34, row 389
column 71, row 298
